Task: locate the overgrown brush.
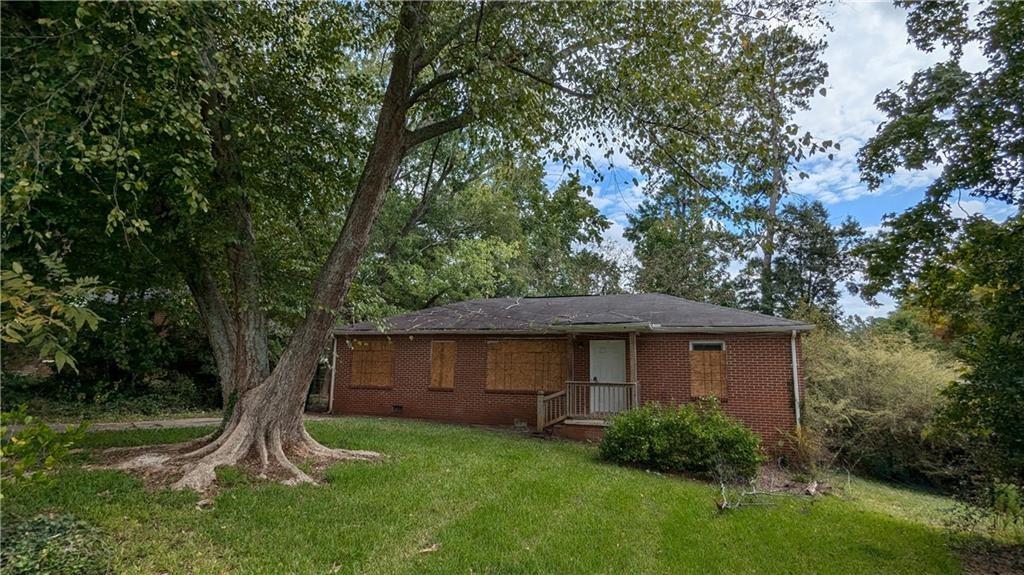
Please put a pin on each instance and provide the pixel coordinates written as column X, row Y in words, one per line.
column 872, row 399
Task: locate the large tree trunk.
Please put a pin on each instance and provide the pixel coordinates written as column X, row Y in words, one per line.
column 265, row 426
column 776, row 189
column 251, row 360
column 217, row 320
column 237, row 333
column 767, row 282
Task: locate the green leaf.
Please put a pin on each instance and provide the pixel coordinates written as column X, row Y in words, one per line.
column 61, row 359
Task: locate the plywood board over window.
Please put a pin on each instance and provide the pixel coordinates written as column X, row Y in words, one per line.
column 442, row 365
column 707, row 369
column 527, row 365
column 371, row 363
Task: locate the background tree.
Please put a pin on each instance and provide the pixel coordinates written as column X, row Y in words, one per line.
column 772, row 75
column 794, row 72
column 780, row 73
column 968, row 270
column 562, row 232
column 681, row 250
column 486, row 225
column 979, row 285
column 812, row 261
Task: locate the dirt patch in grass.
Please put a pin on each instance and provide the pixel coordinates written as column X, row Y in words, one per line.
column 775, row 479
column 990, row 558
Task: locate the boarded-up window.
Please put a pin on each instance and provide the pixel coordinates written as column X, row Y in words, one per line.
column 527, row 365
column 371, row 363
column 442, row 365
column 707, row 369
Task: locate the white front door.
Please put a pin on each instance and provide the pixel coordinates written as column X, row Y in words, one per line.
column 607, row 364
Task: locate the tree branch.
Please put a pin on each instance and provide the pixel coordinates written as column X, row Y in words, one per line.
column 549, row 82
column 434, row 82
column 430, row 189
column 425, row 56
column 437, row 129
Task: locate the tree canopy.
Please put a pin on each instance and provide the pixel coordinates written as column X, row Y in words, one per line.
column 964, row 272
column 814, row 261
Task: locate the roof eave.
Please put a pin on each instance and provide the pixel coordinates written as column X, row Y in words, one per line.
column 735, row 329
column 590, row 328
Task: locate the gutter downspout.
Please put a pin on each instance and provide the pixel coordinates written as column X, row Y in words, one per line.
column 796, row 380
column 334, row 363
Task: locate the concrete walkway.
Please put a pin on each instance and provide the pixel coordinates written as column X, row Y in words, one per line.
column 153, row 424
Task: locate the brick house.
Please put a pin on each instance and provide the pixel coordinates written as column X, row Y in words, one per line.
column 566, row 363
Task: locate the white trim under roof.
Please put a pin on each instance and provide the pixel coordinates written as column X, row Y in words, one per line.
column 731, row 329
column 586, row 328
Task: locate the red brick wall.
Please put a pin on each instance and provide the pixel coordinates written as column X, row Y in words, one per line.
column 468, row 402
column 757, row 373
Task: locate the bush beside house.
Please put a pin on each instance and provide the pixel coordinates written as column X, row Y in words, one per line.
column 872, row 399
column 698, row 439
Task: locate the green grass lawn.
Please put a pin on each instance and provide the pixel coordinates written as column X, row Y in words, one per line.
column 486, row 502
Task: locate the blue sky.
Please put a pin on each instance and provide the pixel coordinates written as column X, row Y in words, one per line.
column 868, row 52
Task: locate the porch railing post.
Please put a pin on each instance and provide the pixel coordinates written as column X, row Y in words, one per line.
column 540, row 410
column 632, row 357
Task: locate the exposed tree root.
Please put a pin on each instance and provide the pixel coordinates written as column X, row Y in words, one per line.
column 260, row 449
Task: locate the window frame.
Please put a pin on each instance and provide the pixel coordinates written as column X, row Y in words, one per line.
column 707, row 342
column 724, row 397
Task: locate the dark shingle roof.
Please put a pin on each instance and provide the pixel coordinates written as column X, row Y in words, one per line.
column 640, row 312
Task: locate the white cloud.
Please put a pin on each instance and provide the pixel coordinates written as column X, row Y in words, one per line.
column 868, row 52
column 853, row 305
column 613, row 238
column 991, row 209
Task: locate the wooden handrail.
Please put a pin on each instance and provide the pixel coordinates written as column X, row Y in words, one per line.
column 552, row 408
column 579, row 398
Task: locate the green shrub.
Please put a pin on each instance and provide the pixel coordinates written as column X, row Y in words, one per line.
column 150, row 357
column 57, row 544
column 35, row 448
column 693, row 438
column 49, row 400
column 872, row 398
